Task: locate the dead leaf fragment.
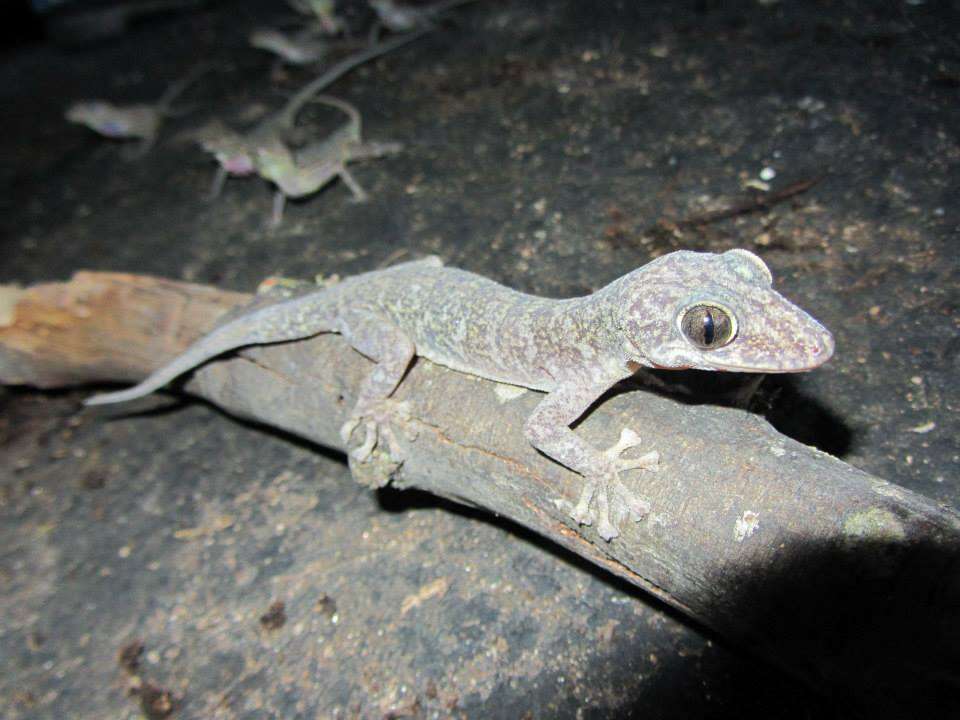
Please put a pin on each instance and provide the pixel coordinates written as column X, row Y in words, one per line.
column 438, row 588
column 221, row 523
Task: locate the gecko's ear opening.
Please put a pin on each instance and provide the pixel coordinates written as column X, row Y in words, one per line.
column 748, row 266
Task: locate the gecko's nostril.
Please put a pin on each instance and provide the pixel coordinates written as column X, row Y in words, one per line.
column 823, row 350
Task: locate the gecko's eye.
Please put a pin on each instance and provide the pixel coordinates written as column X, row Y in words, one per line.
column 708, row 327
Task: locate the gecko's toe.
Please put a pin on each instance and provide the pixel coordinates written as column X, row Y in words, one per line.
column 629, row 440
column 391, row 445
column 628, row 504
column 370, row 438
column 581, row 513
column 607, row 530
column 379, row 422
column 650, row 461
column 346, row 430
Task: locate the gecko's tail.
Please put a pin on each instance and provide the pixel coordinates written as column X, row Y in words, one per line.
column 274, row 323
column 121, row 396
column 347, row 108
column 302, row 96
column 177, row 87
column 221, row 340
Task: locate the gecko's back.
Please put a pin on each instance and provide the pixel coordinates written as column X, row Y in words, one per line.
column 462, row 320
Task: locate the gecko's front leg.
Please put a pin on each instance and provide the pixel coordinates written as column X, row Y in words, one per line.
column 359, row 194
column 276, row 213
column 548, row 430
column 216, row 186
column 375, row 411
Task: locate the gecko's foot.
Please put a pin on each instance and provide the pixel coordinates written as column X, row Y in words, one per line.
column 376, row 423
column 610, row 496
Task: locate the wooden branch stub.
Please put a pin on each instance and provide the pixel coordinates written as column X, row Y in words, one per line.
column 101, row 327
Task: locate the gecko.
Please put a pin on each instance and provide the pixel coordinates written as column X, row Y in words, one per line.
column 236, row 153
column 708, row 311
column 302, row 48
column 400, row 17
column 307, row 171
column 324, row 12
column 139, row 121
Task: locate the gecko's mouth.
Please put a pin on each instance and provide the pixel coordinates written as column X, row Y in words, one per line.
column 803, row 353
column 658, row 366
column 810, row 364
column 761, row 370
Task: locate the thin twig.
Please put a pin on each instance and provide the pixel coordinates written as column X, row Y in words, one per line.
column 762, row 202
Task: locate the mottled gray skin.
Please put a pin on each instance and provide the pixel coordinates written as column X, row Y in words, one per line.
column 574, row 349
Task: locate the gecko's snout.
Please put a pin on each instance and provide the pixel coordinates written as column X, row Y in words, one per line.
column 822, row 350
column 808, row 352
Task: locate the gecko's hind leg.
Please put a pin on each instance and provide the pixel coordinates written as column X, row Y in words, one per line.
column 359, row 194
column 375, row 412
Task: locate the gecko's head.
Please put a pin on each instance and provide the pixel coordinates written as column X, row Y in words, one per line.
column 718, row 312
column 81, row 111
column 268, row 39
column 98, row 115
column 89, row 112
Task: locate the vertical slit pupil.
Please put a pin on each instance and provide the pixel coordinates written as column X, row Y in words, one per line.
column 709, row 329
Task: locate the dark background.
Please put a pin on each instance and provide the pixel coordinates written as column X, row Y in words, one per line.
column 552, row 146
